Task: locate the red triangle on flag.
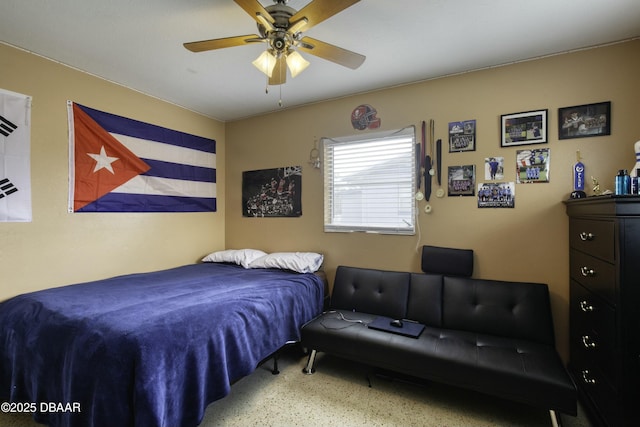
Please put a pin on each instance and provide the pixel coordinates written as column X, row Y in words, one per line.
column 101, row 162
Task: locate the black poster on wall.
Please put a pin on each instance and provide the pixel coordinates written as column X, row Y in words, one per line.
column 272, row 192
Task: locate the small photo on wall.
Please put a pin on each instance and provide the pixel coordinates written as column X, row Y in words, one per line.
column 462, row 136
column 462, row 180
column 532, row 165
column 272, row 192
column 496, row 195
column 494, row 168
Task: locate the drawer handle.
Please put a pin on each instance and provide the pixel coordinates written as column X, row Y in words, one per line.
column 588, row 342
column 586, row 378
column 585, row 306
column 587, row 237
column 587, row 272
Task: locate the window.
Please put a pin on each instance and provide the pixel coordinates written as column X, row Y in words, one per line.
column 369, row 182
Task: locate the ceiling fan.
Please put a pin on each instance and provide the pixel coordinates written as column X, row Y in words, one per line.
column 281, row 26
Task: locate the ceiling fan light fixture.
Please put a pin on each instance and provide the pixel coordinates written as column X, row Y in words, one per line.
column 296, row 63
column 266, row 62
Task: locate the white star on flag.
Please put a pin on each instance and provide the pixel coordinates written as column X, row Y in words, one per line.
column 103, row 161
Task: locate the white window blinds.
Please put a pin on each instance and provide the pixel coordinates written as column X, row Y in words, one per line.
column 369, row 182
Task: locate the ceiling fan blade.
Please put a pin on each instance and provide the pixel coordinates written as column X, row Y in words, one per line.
column 253, row 8
column 331, row 53
column 279, row 74
column 212, row 44
column 319, row 10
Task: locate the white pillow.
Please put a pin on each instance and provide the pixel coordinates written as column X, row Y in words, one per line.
column 242, row 257
column 301, row 262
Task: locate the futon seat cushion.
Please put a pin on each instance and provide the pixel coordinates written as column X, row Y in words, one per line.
column 519, row 370
column 514, row 369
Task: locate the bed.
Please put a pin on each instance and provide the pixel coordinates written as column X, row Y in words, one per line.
column 149, row 349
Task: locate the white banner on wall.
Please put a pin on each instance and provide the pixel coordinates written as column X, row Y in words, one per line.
column 15, row 157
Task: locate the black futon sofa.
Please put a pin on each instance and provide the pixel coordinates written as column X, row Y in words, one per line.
column 491, row 336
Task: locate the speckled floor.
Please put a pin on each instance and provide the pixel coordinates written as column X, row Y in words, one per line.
column 338, row 394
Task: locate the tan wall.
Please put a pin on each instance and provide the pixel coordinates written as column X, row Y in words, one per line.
column 527, row 243
column 58, row 248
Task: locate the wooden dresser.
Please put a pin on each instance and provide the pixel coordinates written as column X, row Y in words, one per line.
column 604, row 239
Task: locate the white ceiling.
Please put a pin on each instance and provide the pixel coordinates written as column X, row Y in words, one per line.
column 138, row 44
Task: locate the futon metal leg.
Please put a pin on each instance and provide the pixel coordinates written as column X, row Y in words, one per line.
column 275, row 364
column 312, row 359
column 555, row 418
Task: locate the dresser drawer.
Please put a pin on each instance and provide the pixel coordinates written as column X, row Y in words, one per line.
column 601, row 355
column 594, row 274
column 593, row 331
column 600, row 393
column 589, row 309
column 596, row 238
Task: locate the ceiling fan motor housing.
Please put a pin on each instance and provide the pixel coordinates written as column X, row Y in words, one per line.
column 281, row 14
column 279, row 39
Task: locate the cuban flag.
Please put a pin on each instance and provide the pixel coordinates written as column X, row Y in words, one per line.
column 118, row 164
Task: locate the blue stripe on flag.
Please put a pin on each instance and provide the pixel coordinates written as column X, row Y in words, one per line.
column 118, row 202
column 134, row 128
column 179, row 171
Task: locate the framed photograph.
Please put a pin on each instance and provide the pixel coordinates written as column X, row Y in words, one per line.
column 462, row 136
column 525, row 128
column 462, row 180
column 582, row 121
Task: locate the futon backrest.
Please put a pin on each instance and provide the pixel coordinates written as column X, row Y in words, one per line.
column 447, row 261
column 507, row 309
column 384, row 293
column 425, row 299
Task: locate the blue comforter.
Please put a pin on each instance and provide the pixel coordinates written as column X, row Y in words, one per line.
column 150, row 349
